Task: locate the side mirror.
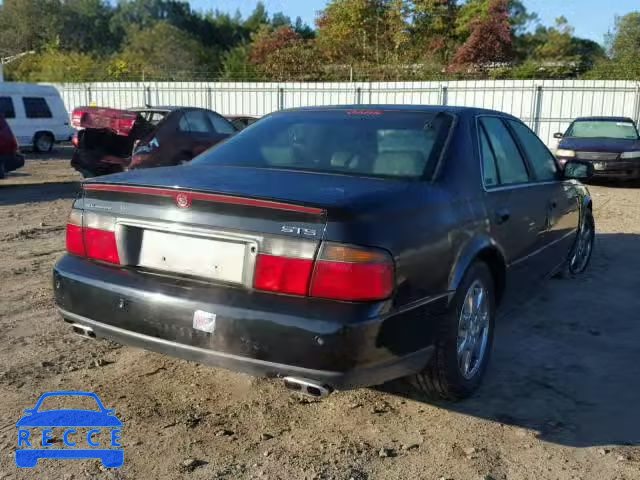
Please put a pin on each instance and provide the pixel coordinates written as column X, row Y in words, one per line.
column 558, row 135
column 578, row 170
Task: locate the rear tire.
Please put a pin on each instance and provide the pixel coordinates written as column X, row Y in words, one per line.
column 43, row 142
column 448, row 376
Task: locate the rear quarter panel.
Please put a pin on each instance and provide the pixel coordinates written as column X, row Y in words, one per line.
column 429, row 228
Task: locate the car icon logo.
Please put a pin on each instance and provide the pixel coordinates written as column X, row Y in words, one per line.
column 100, row 430
column 183, row 200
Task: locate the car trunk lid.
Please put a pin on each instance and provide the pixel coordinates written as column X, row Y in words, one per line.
column 322, row 190
column 210, row 223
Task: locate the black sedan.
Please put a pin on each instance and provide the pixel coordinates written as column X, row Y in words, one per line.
column 332, row 247
column 610, row 144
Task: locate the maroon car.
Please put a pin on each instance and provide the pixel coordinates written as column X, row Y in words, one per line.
column 111, row 140
column 10, row 157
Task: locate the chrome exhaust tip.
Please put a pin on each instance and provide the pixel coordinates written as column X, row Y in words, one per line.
column 306, row 387
column 82, row 330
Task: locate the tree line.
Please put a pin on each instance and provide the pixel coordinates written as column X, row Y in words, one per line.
column 94, row 40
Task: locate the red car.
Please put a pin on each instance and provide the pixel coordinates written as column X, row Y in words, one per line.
column 10, row 157
column 110, row 140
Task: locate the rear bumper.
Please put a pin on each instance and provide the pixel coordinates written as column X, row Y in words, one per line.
column 12, row 162
column 341, row 345
column 357, row 377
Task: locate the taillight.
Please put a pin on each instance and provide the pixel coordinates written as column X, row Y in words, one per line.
column 283, row 274
column 75, row 242
column 92, row 235
column 344, row 272
column 340, row 272
column 284, row 266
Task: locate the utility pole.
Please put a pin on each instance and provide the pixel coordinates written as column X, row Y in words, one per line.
column 11, row 58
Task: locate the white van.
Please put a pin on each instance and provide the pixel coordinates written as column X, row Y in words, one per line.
column 36, row 114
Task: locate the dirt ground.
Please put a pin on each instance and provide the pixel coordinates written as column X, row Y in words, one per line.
column 560, row 400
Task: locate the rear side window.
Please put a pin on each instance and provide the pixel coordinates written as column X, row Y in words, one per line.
column 36, row 107
column 540, row 158
column 349, row 142
column 195, row 121
column 221, row 125
column 510, row 164
column 6, row 107
column 489, row 169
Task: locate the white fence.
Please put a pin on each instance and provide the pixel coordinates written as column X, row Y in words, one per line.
column 546, row 105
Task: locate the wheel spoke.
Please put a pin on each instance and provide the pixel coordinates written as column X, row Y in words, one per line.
column 479, row 300
column 466, row 362
column 469, row 304
column 462, row 346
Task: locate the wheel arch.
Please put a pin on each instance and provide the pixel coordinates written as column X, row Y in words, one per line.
column 587, row 202
column 487, row 250
column 44, row 132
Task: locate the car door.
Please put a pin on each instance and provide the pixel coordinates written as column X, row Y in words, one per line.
column 561, row 198
column 515, row 205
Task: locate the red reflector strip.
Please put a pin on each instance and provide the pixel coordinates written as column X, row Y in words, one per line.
column 282, row 274
column 352, row 281
column 101, row 245
column 206, row 197
column 75, row 242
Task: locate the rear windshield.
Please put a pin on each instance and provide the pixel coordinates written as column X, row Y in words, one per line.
column 352, row 142
column 602, row 129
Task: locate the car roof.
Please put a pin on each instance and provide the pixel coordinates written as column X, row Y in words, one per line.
column 165, row 109
column 604, row 119
column 21, row 88
column 456, row 110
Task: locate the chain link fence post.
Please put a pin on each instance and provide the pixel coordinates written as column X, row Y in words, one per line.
column 636, row 104
column 537, row 108
column 280, row 98
column 443, row 94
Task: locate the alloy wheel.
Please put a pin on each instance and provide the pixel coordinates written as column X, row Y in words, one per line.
column 583, row 248
column 473, row 330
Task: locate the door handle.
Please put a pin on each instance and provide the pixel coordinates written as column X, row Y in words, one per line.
column 502, row 215
column 553, row 204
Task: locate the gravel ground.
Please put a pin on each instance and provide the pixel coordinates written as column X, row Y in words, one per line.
column 560, row 400
column 44, row 168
